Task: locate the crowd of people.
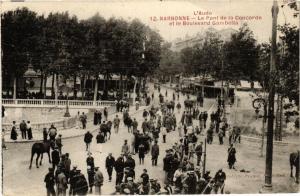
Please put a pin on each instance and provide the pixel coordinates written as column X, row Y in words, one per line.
column 183, row 162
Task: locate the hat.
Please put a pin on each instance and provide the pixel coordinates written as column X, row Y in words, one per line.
column 74, row 166
column 59, row 135
column 96, row 167
column 126, row 191
column 50, row 169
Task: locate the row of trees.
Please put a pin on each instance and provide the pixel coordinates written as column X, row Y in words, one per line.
column 61, row 44
column 241, row 58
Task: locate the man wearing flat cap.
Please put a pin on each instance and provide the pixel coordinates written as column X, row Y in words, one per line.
column 50, row 182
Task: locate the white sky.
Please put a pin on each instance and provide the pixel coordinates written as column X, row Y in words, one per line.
column 144, row 9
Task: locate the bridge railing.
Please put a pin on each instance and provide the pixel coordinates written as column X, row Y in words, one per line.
column 52, row 102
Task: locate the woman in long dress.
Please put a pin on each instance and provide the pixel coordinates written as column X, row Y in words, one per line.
column 14, row 134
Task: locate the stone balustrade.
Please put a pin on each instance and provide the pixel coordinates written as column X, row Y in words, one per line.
column 55, row 103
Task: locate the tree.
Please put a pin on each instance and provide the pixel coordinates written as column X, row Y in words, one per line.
column 170, row 63
column 288, row 68
column 240, row 56
column 19, row 30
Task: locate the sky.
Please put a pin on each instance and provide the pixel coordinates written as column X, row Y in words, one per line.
column 145, row 9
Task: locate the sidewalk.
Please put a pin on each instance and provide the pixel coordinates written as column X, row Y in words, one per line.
column 72, row 132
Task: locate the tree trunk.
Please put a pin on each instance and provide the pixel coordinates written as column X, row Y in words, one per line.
column 134, row 90
column 277, row 119
column 83, row 88
column 280, row 118
column 74, row 87
column 56, row 88
column 122, row 86
column 15, row 88
column 45, row 86
column 41, row 84
column 96, row 89
column 52, row 86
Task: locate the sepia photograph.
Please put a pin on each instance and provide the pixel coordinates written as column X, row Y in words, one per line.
column 149, row 97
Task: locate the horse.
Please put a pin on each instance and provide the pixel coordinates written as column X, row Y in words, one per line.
column 294, row 161
column 40, row 148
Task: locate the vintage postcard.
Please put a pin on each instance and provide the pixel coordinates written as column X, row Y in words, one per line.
column 149, row 97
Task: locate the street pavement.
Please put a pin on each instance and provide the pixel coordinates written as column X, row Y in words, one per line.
column 19, row 180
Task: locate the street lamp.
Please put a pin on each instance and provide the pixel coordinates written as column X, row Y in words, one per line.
column 67, row 113
column 30, row 73
column 270, row 128
column 257, row 104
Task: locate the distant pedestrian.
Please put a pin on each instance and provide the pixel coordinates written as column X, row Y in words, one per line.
column 105, row 112
column 23, row 129
column 179, row 128
column 125, row 148
column 90, row 161
column 142, row 152
column 154, row 153
column 134, row 125
column 145, row 113
column 220, row 178
column 91, row 177
column 55, row 158
column 98, row 182
column 72, row 179
column 116, row 124
column 96, row 117
column 67, row 166
column 88, row 139
column 198, row 151
column 83, row 119
column 221, row 135
column 80, row 184
column 29, row 131
column 59, row 143
column 109, row 164
column 164, row 134
column 52, row 132
column 145, row 183
column 119, row 167
column 231, row 156
column 50, row 182
column 61, row 183
column 14, row 134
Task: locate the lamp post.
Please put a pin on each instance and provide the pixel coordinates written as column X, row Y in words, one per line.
column 30, row 73
column 270, row 126
column 257, row 104
column 67, row 113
